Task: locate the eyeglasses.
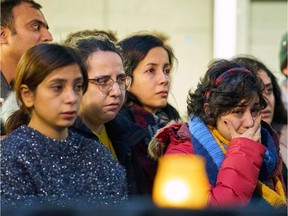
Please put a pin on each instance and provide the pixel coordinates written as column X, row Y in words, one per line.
column 105, row 83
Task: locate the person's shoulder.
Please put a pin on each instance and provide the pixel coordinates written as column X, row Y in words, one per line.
column 123, row 120
column 125, row 112
column 92, row 149
column 17, row 141
column 8, row 107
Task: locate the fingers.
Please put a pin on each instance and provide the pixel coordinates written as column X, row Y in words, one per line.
column 231, row 129
column 253, row 133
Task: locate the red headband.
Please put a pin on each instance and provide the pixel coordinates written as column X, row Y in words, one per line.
column 225, row 74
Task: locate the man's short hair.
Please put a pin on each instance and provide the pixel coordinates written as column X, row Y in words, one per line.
column 7, row 18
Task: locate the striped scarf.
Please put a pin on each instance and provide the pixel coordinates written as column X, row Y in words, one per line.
column 150, row 122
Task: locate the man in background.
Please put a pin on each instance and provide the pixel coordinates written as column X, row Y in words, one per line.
column 22, row 26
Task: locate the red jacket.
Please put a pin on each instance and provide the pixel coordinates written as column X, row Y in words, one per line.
column 238, row 174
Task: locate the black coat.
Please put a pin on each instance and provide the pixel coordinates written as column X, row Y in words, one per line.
column 124, row 136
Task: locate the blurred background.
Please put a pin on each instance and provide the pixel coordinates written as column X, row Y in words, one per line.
column 197, row 30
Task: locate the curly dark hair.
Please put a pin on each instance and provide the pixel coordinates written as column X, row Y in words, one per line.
column 224, row 85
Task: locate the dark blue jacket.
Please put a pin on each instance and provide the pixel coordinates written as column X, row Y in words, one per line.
column 124, row 135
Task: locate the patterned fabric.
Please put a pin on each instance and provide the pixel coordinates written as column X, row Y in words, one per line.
column 124, row 135
column 151, row 124
column 77, row 170
column 147, row 120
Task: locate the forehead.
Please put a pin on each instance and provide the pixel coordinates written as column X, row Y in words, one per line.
column 156, row 54
column 253, row 99
column 69, row 72
column 264, row 77
column 25, row 13
column 103, row 61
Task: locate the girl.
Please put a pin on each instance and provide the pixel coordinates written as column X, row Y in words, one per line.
column 242, row 154
column 41, row 160
column 275, row 113
column 149, row 61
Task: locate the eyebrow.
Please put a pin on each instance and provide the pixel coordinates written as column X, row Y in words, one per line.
column 78, row 79
column 64, row 80
column 268, row 85
column 154, row 64
column 99, row 77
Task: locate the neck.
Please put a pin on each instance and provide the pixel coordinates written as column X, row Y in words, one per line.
column 53, row 133
column 95, row 127
column 8, row 68
column 99, row 129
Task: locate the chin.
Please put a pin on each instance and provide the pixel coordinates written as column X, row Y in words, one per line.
column 109, row 117
column 162, row 105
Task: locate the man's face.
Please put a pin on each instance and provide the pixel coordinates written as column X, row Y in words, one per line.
column 31, row 29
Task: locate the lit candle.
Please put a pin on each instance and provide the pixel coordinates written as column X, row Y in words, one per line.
column 181, row 182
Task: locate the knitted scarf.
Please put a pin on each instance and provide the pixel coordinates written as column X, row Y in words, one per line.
column 152, row 123
column 211, row 145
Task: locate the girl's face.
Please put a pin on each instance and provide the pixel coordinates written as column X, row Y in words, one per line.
column 241, row 118
column 151, row 80
column 98, row 107
column 55, row 102
column 267, row 113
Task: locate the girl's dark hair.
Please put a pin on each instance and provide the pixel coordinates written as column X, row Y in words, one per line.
column 134, row 50
column 34, row 66
column 136, row 47
column 224, row 85
column 280, row 113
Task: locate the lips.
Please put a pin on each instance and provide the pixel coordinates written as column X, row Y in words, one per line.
column 69, row 114
column 163, row 93
column 113, row 106
column 265, row 114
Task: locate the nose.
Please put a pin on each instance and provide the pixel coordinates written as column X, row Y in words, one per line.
column 116, row 91
column 164, row 78
column 248, row 120
column 71, row 97
column 46, row 36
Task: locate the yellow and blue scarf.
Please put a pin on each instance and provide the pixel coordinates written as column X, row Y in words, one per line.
column 211, row 145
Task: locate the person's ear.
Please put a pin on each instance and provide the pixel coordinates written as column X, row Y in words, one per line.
column 27, row 96
column 3, row 35
column 206, row 109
